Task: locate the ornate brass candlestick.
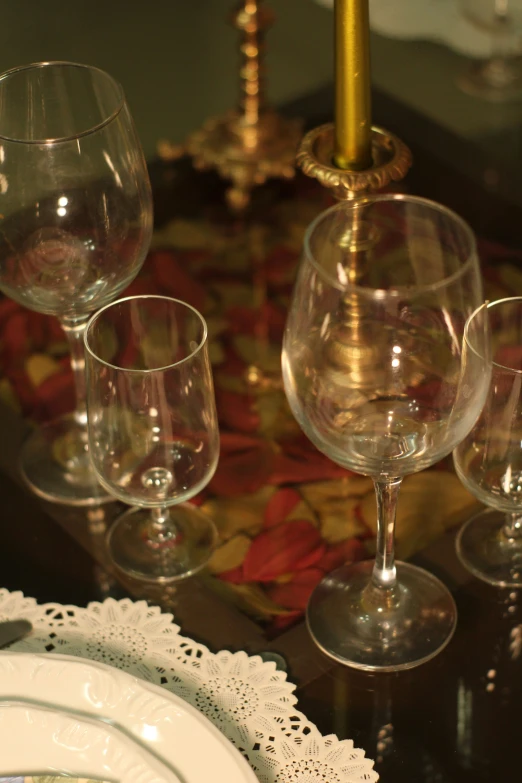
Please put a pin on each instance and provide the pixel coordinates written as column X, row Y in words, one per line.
column 253, row 143
column 352, row 158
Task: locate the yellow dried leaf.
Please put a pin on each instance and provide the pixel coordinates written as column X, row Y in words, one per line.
column 335, row 503
column 302, row 511
column 39, row 367
column 320, row 492
column 216, row 353
column 339, row 521
column 242, row 514
column 188, row 235
column 230, row 554
column 264, row 355
column 8, row 396
column 234, row 294
column 429, row 503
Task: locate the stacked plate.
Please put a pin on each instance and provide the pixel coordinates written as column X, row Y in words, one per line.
column 61, row 715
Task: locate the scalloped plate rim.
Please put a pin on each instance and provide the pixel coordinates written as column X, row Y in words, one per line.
column 237, row 771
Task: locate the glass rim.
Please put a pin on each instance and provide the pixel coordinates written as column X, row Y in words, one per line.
column 384, row 293
column 488, row 305
column 92, row 320
column 88, row 131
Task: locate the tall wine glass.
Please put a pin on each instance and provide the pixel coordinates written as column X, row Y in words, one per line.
column 489, row 459
column 76, row 223
column 153, row 431
column 499, row 77
column 378, row 376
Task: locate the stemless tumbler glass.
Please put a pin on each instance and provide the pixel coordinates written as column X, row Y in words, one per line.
column 76, row 222
column 489, row 460
column 153, row 431
column 378, row 376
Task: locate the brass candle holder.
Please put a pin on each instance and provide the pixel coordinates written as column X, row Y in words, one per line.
column 353, row 355
column 252, row 143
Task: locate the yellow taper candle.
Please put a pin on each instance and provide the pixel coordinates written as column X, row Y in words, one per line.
column 352, row 85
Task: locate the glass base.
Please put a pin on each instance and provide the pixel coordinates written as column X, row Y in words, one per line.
column 495, row 80
column 485, row 550
column 181, row 551
column 351, row 621
column 55, row 463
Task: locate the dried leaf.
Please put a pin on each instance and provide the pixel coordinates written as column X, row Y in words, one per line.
column 243, row 472
column 296, row 593
column 348, row 551
column 251, row 599
column 8, row 395
column 230, row 554
column 264, row 355
column 39, row 367
column 291, row 546
column 280, row 505
column 336, row 505
column 238, row 515
column 188, row 234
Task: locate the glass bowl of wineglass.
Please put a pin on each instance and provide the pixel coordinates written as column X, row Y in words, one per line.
column 153, row 432
column 499, row 77
column 489, row 459
column 378, row 375
column 76, row 223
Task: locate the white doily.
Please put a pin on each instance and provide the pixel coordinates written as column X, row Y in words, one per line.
column 249, row 699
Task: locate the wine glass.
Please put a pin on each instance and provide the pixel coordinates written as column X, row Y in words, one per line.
column 489, row 459
column 153, row 432
column 498, row 78
column 76, row 210
column 378, row 376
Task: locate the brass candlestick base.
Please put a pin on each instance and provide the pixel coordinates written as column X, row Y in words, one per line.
column 252, row 144
column 354, row 352
column 247, row 154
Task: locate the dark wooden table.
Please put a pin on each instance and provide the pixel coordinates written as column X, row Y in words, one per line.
column 453, row 720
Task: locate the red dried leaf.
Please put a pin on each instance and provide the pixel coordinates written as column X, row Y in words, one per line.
column 236, row 411
column 16, row 338
column 294, row 471
column 8, row 308
column 235, row 576
column 236, row 441
column 281, row 550
column 243, row 472
column 296, row 593
column 348, row 551
column 23, row 388
column 55, row 396
column 173, row 279
column 280, row 505
column 280, row 263
column 282, row 622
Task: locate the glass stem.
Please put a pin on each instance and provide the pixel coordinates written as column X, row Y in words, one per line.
column 74, row 331
column 387, row 493
column 513, row 527
column 162, row 531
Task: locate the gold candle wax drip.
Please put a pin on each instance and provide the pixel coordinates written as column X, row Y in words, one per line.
column 253, row 143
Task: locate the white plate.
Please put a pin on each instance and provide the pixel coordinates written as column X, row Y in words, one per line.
column 34, row 741
column 157, row 721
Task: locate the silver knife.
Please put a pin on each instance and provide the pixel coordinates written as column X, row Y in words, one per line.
column 12, row 630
